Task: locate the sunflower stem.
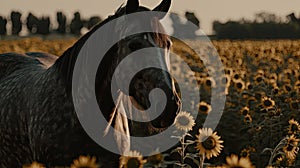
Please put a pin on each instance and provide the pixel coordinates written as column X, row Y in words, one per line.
column 202, row 158
column 183, row 149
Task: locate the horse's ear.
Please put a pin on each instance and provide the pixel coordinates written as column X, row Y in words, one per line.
column 132, row 6
column 164, row 6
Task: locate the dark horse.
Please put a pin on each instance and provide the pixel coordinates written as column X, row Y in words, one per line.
column 38, row 121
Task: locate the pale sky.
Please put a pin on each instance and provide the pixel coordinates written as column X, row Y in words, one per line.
column 206, row 10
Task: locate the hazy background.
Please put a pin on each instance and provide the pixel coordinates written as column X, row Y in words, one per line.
column 206, row 10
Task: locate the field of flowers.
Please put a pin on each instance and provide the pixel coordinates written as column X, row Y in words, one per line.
column 259, row 126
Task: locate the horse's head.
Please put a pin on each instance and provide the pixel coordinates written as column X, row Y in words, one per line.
column 148, row 79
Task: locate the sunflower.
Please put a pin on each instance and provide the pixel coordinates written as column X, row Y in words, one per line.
column 239, row 85
column 84, row 162
column 184, row 121
column 287, row 88
column 294, row 105
column 155, row 158
column 233, row 161
column 247, row 119
column 209, row 83
column 291, row 149
column 258, row 79
column 204, row 107
column 267, row 102
column 245, row 111
column 34, row 165
column 247, row 151
column 208, row 143
column 294, row 126
column 132, row 159
column 249, row 86
column 225, row 79
column 275, row 89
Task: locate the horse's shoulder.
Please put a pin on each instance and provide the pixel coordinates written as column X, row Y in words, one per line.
column 45, row 59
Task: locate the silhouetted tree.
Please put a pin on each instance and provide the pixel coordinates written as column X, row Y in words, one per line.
column 62, row 22
column 185, row 30
column 264, row 17
column 3, row 23
column 76, row 24
column 92, row 21
column 43, row 26
column 190, row 16
column 16, row 22
column 292, row 18
column 265, row 26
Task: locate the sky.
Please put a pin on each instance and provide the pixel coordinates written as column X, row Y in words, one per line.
column 206, row 10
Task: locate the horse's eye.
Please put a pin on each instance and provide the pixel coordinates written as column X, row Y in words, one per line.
column 169, row 44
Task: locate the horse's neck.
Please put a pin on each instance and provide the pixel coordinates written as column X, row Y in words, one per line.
column 65, row 64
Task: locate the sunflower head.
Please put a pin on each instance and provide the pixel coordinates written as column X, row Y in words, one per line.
column 155, row 159
column 248, row 119
column 287, row 88
column 132, row 159
column 239, row 85
column 209, row 83
column 267, row 102
column 245, row 111
column 34, row 165
column 204, row 108
column 84, row 162
column 294, row 126
column 291, row 148
column 258, row 79
column 234, row 161
column 208, row 143
column 247, row 151
column 184, row 121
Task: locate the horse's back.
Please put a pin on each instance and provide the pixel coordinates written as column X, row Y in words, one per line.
column 11, row 62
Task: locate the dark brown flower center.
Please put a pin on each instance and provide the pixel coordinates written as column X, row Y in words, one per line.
column 239, row 85
column 267, row 103
column 210, row 143
column 203, row 108
column 236, row 76
column 184, row 121
column 250, row 86
column 259, row 79
column 288, row 88
column 133, row 162
column 208, row 83
column 245, row 112
column 294, row 128
column 290, row 147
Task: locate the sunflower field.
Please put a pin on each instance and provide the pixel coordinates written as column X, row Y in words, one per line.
column 259, row 126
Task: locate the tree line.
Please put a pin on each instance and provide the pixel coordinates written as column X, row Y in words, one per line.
column 264, row 26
